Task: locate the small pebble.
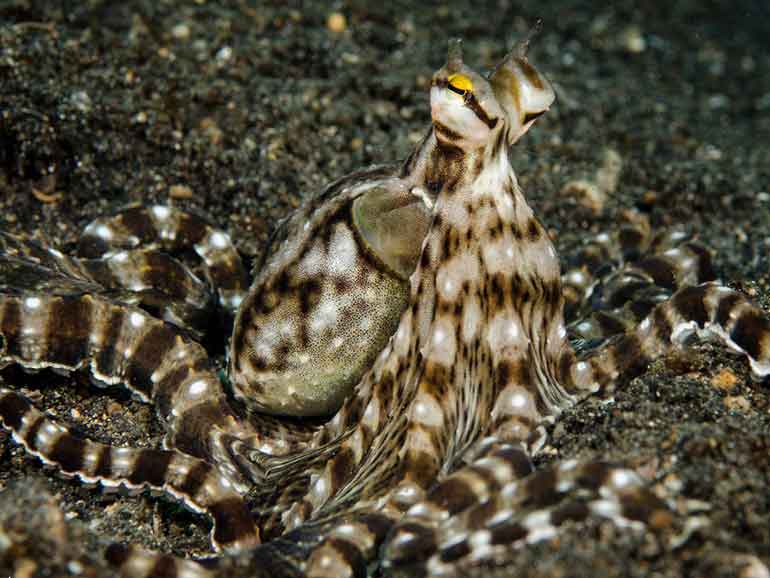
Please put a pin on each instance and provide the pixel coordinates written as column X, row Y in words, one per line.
column 336, row 22
column 180, row 192
column 114, row 407
column 724, row 380
column 586, row 194
column 633, row 41
column 181, row 31
column 737, row 403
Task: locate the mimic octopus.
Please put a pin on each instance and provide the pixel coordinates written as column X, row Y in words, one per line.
column 419, row 308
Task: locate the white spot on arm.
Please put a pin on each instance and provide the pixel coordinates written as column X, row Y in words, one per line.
column 161, row 212
column 104, row 232
column 219, row 240
column 197, row 388
column 32, row 302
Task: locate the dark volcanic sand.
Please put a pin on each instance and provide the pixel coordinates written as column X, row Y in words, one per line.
column 248, row 108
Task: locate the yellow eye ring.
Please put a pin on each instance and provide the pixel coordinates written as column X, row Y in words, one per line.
column 460, row 84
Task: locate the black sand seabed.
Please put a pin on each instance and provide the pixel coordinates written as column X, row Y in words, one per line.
column 245, row 108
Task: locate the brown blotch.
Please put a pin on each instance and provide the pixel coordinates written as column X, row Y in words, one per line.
column 164, row 567
column 541, row 488
column 421, row 467
column 103, row 467
column 641, row 505
column 342, row 466
column 479, row 515
column 232, row 521
column 169, row 384
column 153, row 346
column 190, row 230
column 68, row 451
column 13, row 407
column 453, row 495
column 420, row 545
column 195, row 478
column 435, row 378
column 348, row 554
column 137, row 222
column 662, row 271
column 11, row 327
column 629, row 356
column 69, row 330
column 507, row 533
column 726, row 306
column 593, row 475
column 609, row 324
column 309, row 294
column 662, row 325
column 117, row 554
column 571, row 512
column 194, row 427
column 107, row 358
column 534, row 230
column 750, row 329
column 150, row 467
column 626, row 292
column 518, row 460
column 455, row 551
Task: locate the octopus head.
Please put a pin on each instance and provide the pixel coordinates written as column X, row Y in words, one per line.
column 522, row 92
column 469, row 110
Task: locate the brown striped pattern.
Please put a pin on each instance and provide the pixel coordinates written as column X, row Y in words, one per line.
column 198, row 484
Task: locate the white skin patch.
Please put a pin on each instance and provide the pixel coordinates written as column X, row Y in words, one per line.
column 219, row 240
column 621, row 479
column 471, row 319
column 452, row 273
column 32, row 302
column 324, row 316
column 427, row 411
column 234, row 301
column 515, row 400
column 136, row 320
column 160, row 212
column 343, row 251
column 312, row 263
column 442, row 342
column 104, row 232
column 504, row 333
column 197, row 388
column 497, row 256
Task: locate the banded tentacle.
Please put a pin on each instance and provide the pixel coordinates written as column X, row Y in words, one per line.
column 707, row 311
column 648, row 268
column 195, row 482
column 169, row 229
column 124, row 345
column 523, row 512
column 147, row 277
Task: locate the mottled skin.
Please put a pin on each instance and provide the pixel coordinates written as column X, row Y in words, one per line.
column 426, row 466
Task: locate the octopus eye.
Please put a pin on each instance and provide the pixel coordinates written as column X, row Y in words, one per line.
column 460, row 84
